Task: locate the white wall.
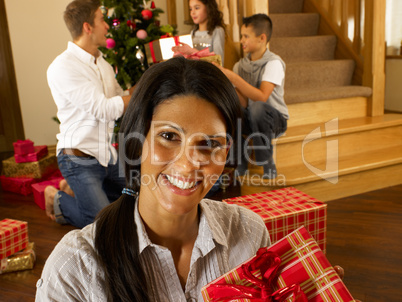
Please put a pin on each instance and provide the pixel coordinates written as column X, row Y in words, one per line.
column 38, row 34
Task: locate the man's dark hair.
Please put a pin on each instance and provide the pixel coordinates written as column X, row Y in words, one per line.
column 77, row 13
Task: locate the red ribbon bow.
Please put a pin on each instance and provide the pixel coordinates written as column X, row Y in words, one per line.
column 268, row 262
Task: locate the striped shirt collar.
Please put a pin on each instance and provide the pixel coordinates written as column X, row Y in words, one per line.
column 207, row 237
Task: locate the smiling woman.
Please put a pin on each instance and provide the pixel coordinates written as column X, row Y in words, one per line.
column 162, row 240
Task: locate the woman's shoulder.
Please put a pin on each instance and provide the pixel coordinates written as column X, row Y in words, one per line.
column 70, row 269
column 75, row 244
column 231, row 213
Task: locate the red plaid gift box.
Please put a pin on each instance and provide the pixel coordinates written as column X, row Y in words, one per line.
column 39, row 152
column 19, row 185
column 39, row 190
column 13, row 236
column 23, row 147
column 285, row 210
column 293, row 265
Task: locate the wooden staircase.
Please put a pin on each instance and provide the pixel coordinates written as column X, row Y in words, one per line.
column 333, row 146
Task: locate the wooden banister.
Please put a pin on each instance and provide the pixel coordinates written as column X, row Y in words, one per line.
column 361, row 37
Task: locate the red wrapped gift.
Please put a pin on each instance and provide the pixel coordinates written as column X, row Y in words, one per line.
column 23, row 147
column 292, row 269
column 13, row 237
column 19, row 185
column 285, row 210
column 39, row 190
column 39, row 152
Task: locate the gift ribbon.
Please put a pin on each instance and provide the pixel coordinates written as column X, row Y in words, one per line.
column 151, row 48
column 151, row 45
column 268, row 262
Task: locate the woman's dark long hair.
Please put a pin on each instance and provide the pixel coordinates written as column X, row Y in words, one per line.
column 116, row 238
column 214, row 15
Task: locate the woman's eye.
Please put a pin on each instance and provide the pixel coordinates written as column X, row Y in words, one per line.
column 170, row 136
column 212, row 144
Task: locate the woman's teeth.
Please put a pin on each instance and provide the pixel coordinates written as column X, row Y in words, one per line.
column 181, row 184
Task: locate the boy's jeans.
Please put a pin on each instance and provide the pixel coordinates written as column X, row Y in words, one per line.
column 94, row 186
column 263, row 123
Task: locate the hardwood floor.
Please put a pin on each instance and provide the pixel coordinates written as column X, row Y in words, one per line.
column 364, row 236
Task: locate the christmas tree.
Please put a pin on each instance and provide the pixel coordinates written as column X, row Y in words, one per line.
column 133, row 23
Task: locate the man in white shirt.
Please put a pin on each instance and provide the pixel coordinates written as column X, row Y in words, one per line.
column 89, row 100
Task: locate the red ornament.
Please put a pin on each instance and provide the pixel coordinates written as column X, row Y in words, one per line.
column 152, row 5
column 131, row 24
column 146, row 14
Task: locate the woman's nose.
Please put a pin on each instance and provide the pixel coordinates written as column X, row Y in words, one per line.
column 190, row 159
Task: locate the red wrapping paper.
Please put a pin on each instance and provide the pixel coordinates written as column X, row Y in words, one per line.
column 13, row 237
column 302, row 263
column 39, row 152
column 23, row 147
column 39, row 190
column 285, row 210
column 19, row 185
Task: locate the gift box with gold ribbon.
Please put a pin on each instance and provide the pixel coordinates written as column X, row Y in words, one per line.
column 37, row 169
column 292, row 269
column 285, row 210
column 13, row 236
column 19, row 261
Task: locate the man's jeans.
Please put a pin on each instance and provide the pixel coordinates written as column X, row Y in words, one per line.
column 94, row 186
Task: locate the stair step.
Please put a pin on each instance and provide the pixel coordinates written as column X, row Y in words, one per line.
column 299, row 49
column 325, row 110
column 318, row 74
column 285, row 6
column 344, row 127
column 294, row 25
column 326, row 93
column 333, row 140
column 360, row 144
column 299, row 174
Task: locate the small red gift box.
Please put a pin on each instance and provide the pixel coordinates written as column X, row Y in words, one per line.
column 13, row 237
column 285, row 210
column 23, row 147
column 39, row 190
column 39, row 152
column 19, row 185
column 293, row 265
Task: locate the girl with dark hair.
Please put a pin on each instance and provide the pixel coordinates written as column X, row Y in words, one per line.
column 162, row 240
column 208, row 31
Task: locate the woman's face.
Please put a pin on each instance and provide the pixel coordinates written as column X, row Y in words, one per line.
column 183, row 155
column 198, row 12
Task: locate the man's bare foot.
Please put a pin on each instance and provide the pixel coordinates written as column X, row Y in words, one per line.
column 50, row 193
column 66, row 188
